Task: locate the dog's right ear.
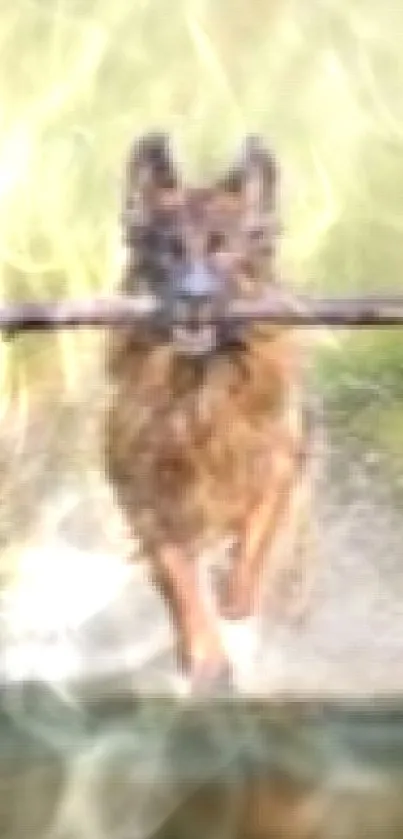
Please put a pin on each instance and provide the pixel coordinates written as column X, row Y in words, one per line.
column 152, row 179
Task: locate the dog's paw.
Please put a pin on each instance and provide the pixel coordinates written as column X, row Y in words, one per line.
column 208, row 665
column 212, row 679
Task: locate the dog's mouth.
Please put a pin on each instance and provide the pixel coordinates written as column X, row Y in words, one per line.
column 195, row 342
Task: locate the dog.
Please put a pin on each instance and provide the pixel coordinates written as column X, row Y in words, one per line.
column 205, row 434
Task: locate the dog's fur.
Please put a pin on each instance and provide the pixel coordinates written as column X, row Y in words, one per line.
column 198, row 451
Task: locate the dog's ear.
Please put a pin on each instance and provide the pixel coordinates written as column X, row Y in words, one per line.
column 152, row 179
column 251, row 184
column 259, row 178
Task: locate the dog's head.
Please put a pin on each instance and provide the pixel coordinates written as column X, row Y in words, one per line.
column 197, row 247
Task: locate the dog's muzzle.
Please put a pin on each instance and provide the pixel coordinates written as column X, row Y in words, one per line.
column 195, row 330
column 196, row 307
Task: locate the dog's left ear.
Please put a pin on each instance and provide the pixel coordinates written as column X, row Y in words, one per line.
column 252, row 182
column 259, row 177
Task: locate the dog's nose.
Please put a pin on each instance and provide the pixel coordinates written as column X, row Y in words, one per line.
column 195, row 304
column 198, row 283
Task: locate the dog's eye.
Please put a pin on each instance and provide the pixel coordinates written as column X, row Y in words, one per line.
column 256, row 233
column 216, row 241
column 176, row 247
column 147, row 239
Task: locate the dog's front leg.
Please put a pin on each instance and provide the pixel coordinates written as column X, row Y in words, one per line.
column 201, row 649
column 239, row 597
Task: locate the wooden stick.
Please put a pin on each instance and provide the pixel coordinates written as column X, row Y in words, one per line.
column 295, row 310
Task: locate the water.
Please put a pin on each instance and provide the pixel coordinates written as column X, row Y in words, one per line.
column 90, row 749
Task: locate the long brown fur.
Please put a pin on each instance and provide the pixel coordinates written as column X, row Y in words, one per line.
column 188, row 456
column 190, row 447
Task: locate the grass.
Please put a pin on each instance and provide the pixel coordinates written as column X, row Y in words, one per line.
column 322, row 80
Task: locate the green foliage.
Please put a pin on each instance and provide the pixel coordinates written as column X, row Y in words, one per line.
column 322, row 80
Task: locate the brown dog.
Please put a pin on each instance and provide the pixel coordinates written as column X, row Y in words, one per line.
column 205, row 431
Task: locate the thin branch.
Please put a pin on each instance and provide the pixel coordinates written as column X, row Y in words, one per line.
column 295, row 310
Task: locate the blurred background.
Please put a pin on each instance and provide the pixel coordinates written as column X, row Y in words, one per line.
column 322, row 81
